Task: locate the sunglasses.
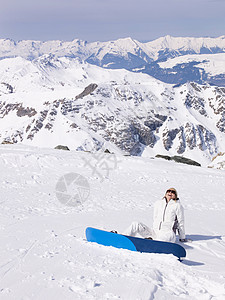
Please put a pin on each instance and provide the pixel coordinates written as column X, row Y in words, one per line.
column 171, row 191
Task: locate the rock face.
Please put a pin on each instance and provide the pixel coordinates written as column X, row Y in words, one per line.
column 118, row 109
column 6, row 88
column 87, row 91
column 62, row 147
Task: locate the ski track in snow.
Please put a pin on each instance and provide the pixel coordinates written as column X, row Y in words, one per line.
column 43, row 251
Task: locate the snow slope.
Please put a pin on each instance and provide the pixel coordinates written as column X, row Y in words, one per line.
column 44, row 254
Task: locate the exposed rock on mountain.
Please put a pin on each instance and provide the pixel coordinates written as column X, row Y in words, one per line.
column 62, row 147
column 87, row 91
column 179, row 159
column 5, row 88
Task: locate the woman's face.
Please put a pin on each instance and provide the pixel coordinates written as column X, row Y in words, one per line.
column 170, row 194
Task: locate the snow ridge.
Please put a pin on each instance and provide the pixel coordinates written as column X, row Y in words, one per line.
column 98, row 51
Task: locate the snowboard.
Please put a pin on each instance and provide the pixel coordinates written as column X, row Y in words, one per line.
column 133, row 243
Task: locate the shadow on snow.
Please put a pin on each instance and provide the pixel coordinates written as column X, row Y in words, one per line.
column 198, row 237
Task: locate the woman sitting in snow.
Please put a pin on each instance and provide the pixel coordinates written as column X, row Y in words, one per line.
column 168, row 218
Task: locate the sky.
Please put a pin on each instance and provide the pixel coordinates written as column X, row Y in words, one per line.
column 103, row 20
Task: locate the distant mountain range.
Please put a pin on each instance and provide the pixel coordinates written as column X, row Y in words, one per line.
column 52, row 100
column 199, row 56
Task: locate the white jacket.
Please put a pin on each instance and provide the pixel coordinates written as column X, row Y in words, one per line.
column 166, row 216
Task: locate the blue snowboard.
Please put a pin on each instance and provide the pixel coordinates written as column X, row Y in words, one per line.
column 133, row 243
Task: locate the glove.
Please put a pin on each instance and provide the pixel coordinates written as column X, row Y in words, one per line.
column 185, row 240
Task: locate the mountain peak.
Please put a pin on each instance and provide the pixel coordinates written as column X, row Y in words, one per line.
column 77, row 48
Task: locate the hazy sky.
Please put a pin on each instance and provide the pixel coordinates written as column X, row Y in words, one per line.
column 102, row 20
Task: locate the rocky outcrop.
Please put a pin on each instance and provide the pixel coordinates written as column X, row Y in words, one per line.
column 61, row 147
column 217, row 103
column 196, row 103
column 190, row 136
column 87, row 91
column 7, row 143
column 21, row 111
column 168, row 137
column 8, row 88
column 28, row 111
column 179, row 159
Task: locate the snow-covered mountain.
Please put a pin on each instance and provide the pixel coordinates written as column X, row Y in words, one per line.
column 126, row 50
column 131, row 54
column 51, row 101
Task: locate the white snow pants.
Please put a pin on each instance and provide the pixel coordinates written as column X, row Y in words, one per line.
column 143, row 230
column 139, row 228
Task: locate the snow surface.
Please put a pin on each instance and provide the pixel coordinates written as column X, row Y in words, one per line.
column 44, row 254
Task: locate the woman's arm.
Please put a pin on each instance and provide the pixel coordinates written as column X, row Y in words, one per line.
column 180, row 219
